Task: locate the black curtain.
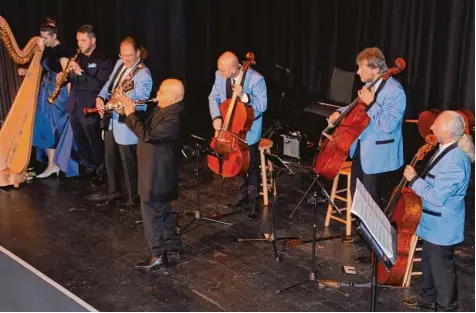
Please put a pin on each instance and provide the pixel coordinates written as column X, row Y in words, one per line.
column 310, row 37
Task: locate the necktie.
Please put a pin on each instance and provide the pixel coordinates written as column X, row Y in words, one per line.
column 229, row 90
column 118, row 81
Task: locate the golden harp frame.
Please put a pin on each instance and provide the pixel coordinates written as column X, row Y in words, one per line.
column 16, row 132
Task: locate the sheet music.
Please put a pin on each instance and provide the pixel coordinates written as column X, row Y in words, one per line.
column 378, row 225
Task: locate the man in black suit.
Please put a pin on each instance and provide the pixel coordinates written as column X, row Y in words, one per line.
column 158, row 154
column 88, row 75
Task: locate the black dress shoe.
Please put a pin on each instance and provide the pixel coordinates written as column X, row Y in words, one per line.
column 254, row 212
column 416, row 303
column 153, row 263
column 99, row 180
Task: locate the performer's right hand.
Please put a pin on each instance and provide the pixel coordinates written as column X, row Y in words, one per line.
column 100, row 106
column 332, row 118
column 217, row 124
column 22, row 71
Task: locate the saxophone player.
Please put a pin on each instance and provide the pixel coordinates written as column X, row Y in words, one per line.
column 88, row 75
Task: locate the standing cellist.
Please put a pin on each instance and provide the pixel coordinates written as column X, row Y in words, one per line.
column 253, row 93
column 442, row 188
column 378, row 152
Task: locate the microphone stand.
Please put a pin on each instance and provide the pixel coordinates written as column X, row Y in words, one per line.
column 197, row 214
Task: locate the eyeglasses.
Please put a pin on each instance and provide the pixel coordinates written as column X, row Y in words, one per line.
column 129, row 56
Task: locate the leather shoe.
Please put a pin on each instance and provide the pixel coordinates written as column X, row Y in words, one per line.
column 153, row 263
column 254, row 212
column 418, row 303
column 99, row 180
column 238, row 202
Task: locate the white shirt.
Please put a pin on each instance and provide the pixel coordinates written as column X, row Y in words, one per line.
column 126, row 72
column 244, row 98
column 440, row 150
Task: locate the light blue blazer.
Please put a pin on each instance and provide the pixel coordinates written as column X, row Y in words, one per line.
column 442, row 191
column 381, row 143
column 142, row 87
column 255, row 87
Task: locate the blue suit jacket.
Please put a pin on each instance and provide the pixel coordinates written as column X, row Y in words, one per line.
column 381, row 144
column 442, row 191
column 255, row 87
column 142, row 87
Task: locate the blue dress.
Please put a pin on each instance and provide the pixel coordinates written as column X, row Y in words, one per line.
column 52, row 129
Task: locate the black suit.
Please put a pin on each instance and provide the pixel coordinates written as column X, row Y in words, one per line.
column 158, row 154
column 84, row 90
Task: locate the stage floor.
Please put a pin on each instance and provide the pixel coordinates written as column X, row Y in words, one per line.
column 91, row 251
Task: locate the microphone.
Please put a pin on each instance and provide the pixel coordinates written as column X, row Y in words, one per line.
column 282, row 68
column 206, row 148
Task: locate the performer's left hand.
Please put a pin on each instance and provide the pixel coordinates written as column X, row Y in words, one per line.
column 366, row 96
column 75, row 68
column 238, row 90
column 129, row 106
column 409, row 173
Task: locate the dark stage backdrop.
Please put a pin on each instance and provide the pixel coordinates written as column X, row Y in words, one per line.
column 184, row 38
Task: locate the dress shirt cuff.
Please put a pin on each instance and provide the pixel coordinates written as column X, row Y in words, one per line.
column 245, row 98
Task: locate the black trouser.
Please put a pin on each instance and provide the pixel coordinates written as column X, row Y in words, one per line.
column 158, row 228
column 249, row 187
column 128, row 154
column 87, row 135
column 378, row 185
column 439, row 276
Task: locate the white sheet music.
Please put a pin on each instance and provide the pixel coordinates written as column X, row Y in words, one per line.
column 378, row 225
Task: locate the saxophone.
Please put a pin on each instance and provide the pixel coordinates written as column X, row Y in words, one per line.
column 54, row 94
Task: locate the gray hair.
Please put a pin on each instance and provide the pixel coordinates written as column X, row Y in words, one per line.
column 456, row 126
column 374, row 57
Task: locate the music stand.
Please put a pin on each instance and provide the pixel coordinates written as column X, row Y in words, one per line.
column 277, row 165
column 313, row 276
column 374, row 225
column 201, row 147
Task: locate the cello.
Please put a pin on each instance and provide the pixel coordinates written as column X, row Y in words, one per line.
column 346, row 129
column 405, row 209
column 230, row 143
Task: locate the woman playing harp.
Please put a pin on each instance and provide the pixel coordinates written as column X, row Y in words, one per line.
column 52, row 134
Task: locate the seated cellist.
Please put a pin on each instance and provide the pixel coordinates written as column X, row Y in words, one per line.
column 378, row 152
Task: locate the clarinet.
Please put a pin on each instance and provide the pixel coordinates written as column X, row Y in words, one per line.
column 54, row 94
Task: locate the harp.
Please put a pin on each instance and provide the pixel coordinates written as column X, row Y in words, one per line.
column 16, row 132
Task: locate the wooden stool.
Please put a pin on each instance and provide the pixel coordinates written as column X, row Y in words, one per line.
column 345, row 171
column 412, row 259
column 266, row 177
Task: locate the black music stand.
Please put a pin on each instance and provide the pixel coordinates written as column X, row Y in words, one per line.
column 313, row 276
column 201, row 147
column 377, row 253
column 366, row 233
column 277, row 165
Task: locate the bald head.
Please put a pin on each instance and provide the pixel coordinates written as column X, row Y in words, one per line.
column 448, row 126
column 228, row 65
column 171, row 91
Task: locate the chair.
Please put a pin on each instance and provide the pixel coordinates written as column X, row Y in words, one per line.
column 267, row 182
column 411, row 260
column 344, row 171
